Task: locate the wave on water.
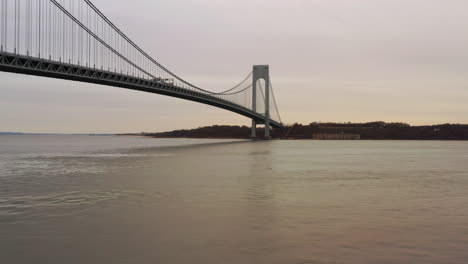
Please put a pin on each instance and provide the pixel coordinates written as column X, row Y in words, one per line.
column 59, row 164
column 90, row 155
column 20, row 205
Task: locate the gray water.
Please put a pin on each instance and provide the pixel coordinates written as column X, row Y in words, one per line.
column 109, row 199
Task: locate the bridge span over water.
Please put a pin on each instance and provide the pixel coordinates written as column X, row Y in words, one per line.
column 74, row 40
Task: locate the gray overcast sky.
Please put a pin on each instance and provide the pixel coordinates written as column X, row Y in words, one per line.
column 331, row 60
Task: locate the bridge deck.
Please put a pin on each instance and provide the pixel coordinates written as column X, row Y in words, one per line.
column 10, row 62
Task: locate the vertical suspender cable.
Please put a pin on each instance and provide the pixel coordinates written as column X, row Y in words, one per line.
column 73, row 31
column 72, row 25
column 94, row 40
column 31, row 34
column 49, row 44
column 80, row 33
column 3, row 23
column 39, row 29
column 62, row 36
column 110, row 43
column 27, row 28
column 70, row 34
column 102, row 56
column 59, row 36
column 6, row 24
column 66, row 35
column 19, row 31
column 30, row 27
column 16, row 32
column 46, row 31
column 55, row 35
column 78, row 36
column 88, row 35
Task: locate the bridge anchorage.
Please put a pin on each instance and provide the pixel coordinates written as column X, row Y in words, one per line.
column 73, row 40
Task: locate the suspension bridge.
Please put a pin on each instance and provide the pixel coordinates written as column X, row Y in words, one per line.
column 74, row 40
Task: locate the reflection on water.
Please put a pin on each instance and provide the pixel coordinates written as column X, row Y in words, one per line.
column 76, row 199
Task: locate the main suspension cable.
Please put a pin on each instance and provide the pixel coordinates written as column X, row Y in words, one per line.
column 239, row 84
column 238, row 92
column 274, row 100
column 113, row 26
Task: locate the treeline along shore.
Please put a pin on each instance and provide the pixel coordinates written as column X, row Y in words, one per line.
column 330, row 131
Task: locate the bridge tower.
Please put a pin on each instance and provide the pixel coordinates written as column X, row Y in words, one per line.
column 261, row 72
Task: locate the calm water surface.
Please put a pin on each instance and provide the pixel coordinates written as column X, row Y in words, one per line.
column 92, row 199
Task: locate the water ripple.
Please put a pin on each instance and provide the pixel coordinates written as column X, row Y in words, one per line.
column 17, row 205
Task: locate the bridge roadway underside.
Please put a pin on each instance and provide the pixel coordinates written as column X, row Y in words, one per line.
column 15, row 63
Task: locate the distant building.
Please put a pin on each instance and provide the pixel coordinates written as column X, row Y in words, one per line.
column 335, row 136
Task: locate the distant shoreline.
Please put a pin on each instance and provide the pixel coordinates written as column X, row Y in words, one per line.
column 327, row 131
column 314, row 131
column 305, row 139
column 50, row 134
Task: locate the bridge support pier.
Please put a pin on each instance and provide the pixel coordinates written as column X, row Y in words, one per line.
column 267, row 107
column 261, row 72
column 254, row 129
column 254, row 106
